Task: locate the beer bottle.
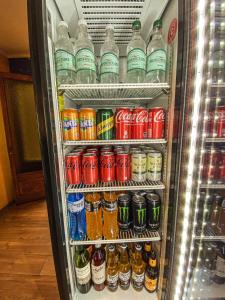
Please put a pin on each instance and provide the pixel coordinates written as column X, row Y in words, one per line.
column 147, row 252
column 112, row 269
column 82, row 269
column 124, row 268
column 138, row 270
column 98, row 268
column 151, row 274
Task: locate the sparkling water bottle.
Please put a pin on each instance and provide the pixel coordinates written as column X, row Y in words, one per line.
column 156, row 55
column 109, row 67
column 85, row 58
column 76, row 216
column 136, row 56
column 64, row 56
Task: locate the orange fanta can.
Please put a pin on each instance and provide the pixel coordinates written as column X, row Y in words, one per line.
column 87, row 124
column 70, row 124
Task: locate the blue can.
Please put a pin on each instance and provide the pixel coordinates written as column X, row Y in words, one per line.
column 76, row 216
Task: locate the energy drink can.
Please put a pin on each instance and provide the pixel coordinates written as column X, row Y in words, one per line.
column 139, row 213
column 124, row 207
column 153, row 211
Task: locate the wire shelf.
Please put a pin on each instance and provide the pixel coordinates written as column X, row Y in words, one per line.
column 124, row 237
column 215, row 140
column 115, row 186
column 114, row 142
column 113, row 91
column 209, row 234
column 213, row 186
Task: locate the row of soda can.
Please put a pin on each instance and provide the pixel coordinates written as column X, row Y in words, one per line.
column 215, row 123
column 89, row 124
column 109, row 163
column 137, row 210
column 213, row 165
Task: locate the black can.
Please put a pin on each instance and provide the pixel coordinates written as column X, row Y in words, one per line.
column 153, row 211
column 139, row 213
column 124, row 211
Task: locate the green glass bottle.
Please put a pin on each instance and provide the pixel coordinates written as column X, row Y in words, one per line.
column 82, row 269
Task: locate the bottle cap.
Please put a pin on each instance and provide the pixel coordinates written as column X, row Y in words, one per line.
column 62, row 23
column 138, row 247
column 111, row 248
column 136, row 25
column 109, row 26
column 82, row 22
column 123, row 246
column 98, row 245
column 148, row 247
column 152, row 262
column 157, row 23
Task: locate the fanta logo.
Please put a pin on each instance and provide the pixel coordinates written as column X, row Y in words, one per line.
column 159, row 116
column 123, row 116
column 70, row 124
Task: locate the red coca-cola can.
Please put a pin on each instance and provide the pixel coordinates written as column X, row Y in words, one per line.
column 220, row 121
column 107, row 167
column 73, row 168
column 156, row 123
column 123, row 169
column 209, row 126
column 92, row 150
column 211, row 162
column 123, row 123
column 90, row 168
column 139, row 123
column 221, row 175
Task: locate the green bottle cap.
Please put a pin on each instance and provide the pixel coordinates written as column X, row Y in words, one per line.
column 136, row 25
column 157, row 23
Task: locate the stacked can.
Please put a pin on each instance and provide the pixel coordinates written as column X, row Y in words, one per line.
column 87, row 124
column 70, row 123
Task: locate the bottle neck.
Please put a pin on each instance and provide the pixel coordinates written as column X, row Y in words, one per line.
column 109, row 35
column 157, row 33
column 63, row 33
column 82, row 32
column 136, row 33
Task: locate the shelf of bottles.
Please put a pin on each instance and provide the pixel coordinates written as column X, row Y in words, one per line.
column 124, row 237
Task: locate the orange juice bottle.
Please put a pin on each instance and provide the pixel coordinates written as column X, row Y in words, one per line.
column 110, row 212
column 93, row 216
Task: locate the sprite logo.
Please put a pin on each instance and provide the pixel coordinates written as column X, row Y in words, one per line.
column 124, row 214
column 141, row 215
column 156, row 212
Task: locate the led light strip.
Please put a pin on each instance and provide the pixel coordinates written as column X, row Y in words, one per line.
column 200, row 44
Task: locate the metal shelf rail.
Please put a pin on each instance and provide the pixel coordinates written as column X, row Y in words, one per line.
column 114, row 142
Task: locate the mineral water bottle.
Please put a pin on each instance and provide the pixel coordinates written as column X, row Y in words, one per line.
column 64, row 56
column 109, row 68
column 136, row 56
column 76, row 216
column 85, row 58
column 156, row 55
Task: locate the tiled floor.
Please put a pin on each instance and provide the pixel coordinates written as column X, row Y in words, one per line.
column 26, row 263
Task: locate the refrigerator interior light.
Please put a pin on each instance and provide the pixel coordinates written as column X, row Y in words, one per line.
column 200, row 44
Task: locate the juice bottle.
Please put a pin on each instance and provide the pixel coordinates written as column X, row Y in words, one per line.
column 124, row 268
column 112, row 269
column 98, row 268
column 110, row 212
column 138, row 269
column 93, row 216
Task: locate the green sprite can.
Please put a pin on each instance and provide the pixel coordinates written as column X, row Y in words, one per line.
column 105, row 124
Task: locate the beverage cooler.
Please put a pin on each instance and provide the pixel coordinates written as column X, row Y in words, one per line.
column 129, row 100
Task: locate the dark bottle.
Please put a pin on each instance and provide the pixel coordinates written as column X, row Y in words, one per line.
column 147, row 252
column 219, row 276
column 151, row 274
column 215, row 211
column 82, row 269
column 98, row 268
column 221, row 221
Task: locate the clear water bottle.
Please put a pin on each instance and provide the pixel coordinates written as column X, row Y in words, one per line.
column 109, row 66
column 85, row 58
column 64, row 56
column 76, row 216
column 156, row 55
column 136, row 56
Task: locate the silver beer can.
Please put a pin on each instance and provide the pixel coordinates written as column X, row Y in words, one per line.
column 138, row 167
column 154, row 166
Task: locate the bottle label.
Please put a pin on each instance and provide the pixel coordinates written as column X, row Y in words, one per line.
column 220, row 267
column 109, row 206
column 150, row 284
column 156, row 61
column 64, row 61
column 83, row 274
column 124, row 278
column 112, row 280
column 98, row 273
column 76, row 206
column 85, row 60
column 109, row 63
column 92, row 206
column 138, row 278
column 136, row 59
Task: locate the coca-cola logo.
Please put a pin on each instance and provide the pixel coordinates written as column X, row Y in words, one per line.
column 107, row 164
column 123, row 162
column 87, row 164
column 140, row 117
column 123, row 116
column 221, row 115
column 73, row 165
column 159, row 116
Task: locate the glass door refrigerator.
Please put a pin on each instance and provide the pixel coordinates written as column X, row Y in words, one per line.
column 199, row 252
column 176, row 101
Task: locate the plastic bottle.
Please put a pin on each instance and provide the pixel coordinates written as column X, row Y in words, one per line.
column 109, row 67
column 156, row 55
column 85, row 58
column 110, row 213
column 64, row 56
column 93, row 216
column 136, row 56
